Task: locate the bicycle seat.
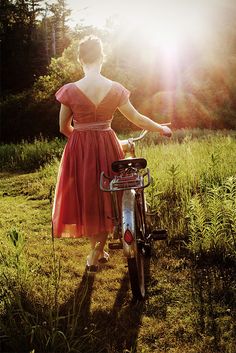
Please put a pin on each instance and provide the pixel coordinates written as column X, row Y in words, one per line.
column 121, row 164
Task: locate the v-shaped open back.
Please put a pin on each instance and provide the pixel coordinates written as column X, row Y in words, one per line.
column 84, row 109
column 96, row 105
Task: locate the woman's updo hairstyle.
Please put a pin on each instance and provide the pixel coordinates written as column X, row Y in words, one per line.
column 90, row 49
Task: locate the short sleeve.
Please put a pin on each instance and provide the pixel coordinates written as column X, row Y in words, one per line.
column 62, row 95
column 124, row 97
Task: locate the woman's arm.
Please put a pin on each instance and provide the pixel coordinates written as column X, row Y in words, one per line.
column 65, row 119
column 142, row 121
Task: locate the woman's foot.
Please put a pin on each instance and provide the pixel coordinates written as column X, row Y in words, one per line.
column 91, row 268
column 93, row 259
column 104, row 257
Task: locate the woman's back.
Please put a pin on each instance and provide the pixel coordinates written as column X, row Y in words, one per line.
column 95, row 87
column 91, row 101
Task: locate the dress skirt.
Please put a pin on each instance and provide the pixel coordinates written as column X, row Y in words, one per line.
column 80, row 207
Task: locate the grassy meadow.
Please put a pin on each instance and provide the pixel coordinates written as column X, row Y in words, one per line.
column 48, row 305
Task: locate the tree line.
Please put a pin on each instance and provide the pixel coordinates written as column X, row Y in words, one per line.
column 31, row 32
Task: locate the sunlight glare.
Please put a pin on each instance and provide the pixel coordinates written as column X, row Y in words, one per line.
column 167, row 25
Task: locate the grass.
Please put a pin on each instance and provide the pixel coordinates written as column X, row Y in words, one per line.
column 28, row 157
column 48, row 305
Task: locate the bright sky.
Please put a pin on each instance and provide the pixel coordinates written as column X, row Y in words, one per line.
column 93, row 12
column 172, row 15
column 96, row 11
column 164, row 23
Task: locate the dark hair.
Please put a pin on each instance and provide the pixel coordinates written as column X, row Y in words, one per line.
column 90, row 49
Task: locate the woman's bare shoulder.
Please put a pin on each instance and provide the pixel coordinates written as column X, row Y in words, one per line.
column 118, row 84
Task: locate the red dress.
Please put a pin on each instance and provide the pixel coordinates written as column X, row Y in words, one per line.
column 80, row 207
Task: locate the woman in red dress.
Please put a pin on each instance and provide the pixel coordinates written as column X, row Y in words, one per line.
column 80, row 207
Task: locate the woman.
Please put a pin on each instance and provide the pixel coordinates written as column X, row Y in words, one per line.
column 80, row 207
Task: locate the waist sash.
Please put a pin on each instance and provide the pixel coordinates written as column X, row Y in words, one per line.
column 96, row 125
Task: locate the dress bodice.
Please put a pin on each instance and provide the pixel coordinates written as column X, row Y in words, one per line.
column 84, row 110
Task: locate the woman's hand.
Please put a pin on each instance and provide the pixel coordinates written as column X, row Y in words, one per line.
column 127, row 145
column 166, row 131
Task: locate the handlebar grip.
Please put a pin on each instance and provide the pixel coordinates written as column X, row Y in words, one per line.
column 165, row 124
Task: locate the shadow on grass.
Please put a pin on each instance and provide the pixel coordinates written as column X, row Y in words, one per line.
column 29, row 327
column 108, row 331
column 214, row 299
column 119, row 328
column 77, row 308
column 72, row 327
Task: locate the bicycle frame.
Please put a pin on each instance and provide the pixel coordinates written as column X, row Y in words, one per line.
column 131, row 182
column 130, row 226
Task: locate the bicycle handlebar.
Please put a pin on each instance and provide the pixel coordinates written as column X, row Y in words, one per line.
column 143, row 133
column 131, row 143
column 140, row 137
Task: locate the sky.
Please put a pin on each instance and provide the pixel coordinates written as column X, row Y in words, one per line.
column 167, row 24
column 90, row 11
column 165, row 20
column 96, row 11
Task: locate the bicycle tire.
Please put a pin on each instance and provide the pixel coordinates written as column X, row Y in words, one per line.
column 136, row 264
column 137, row 283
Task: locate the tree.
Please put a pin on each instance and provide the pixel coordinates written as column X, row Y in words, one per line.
column 28, row 33
column 59, row 29
column 18, row 25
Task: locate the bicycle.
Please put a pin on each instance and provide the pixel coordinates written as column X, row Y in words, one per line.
column 131, row 230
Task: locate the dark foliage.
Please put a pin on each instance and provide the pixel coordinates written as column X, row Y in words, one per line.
column 27, row 43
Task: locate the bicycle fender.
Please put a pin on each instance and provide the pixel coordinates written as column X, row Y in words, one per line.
column 128, row 221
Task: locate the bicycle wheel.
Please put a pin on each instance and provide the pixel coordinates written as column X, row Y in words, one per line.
column 136, row 276
column 136, row 264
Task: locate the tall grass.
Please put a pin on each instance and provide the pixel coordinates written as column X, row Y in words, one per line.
column 26, row 325
column 29, row 156
column 189, row 171
column 212, row 222
column 183, row 171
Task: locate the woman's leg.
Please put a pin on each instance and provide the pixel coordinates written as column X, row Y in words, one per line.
column 97, row 248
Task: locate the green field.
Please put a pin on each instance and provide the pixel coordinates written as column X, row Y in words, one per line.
column 48, row 305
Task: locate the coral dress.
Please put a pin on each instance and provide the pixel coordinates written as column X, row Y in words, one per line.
column 80, row 207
